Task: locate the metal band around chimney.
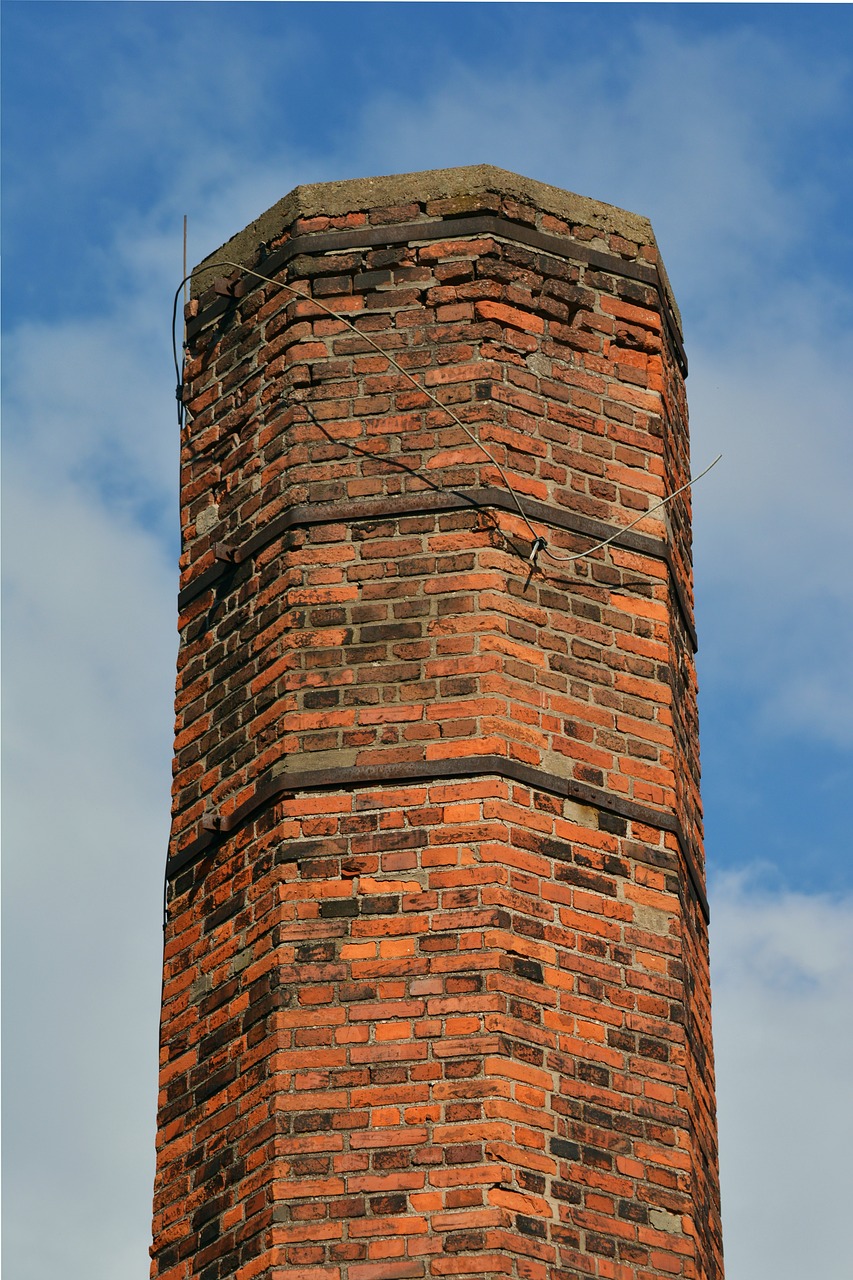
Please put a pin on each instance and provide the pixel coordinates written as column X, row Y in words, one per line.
column 276, row 786
column 427, row 503
column 213, row 304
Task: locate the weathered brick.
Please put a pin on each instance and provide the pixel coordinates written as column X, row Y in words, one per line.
column 419, row 1021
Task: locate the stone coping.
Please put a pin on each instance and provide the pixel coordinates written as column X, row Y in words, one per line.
column 358, row 195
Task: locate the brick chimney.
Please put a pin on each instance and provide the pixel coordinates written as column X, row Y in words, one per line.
column 436, row 997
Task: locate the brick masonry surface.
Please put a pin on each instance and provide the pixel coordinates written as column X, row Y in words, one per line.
column 423, row 1018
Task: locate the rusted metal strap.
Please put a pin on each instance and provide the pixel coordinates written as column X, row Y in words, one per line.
column 214, row 302
column 284, row 784
column 428, row 503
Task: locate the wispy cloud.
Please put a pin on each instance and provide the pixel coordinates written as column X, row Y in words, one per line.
column 783, row 1019
column 774, row 534
column 88, row 659
column 693, row 131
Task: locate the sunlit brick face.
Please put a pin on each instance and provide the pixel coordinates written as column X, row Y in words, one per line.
column 436, row 995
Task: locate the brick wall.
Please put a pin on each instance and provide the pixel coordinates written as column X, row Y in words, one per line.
column 436, row 988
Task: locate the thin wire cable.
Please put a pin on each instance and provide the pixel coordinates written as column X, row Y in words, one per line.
column 179, row 365
column 298, row 293
column 539, row 542
column 605, row 542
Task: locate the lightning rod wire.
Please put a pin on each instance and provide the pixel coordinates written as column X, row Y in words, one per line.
column 539, row 542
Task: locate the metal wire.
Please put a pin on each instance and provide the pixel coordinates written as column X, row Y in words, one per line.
column 605, row 542
column 539, row 542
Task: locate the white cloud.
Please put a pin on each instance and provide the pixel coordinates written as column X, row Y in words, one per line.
column 782, row 981
column 89, row 647
column 88, row 665
column 774, row 526
column 88, row 404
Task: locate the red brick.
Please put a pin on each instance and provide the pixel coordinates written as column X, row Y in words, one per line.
column 425, row 1027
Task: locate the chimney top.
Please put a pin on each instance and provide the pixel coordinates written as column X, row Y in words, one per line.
column 357, row 195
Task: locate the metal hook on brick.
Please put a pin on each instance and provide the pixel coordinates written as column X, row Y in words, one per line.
column 539, row 544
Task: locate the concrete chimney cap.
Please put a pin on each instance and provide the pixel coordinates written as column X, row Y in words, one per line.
column 355, row 195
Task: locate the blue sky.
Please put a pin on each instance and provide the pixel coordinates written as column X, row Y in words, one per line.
column 728, row 125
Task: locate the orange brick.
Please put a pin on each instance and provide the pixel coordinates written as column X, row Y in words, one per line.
column 419, row 987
